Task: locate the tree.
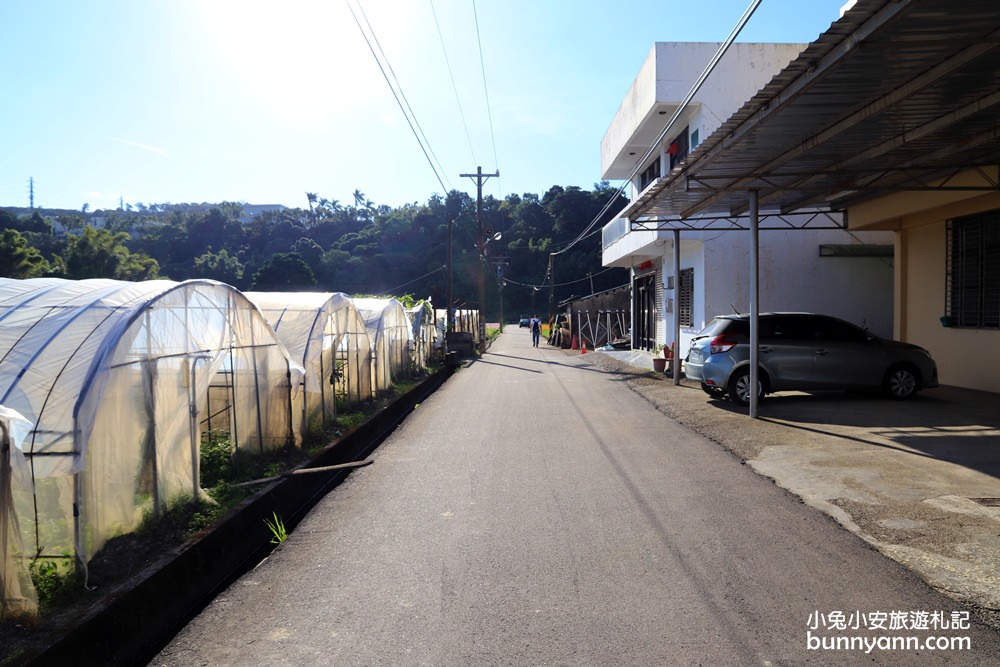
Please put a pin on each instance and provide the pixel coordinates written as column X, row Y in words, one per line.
column 99, row 253
column 284, row 272
column 34, row 223
column 219, row 266
column 18, row 258
column 72, row 223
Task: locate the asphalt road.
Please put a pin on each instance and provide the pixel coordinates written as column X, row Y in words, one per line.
column 534, row 511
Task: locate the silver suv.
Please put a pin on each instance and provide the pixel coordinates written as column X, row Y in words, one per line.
column 804, row 351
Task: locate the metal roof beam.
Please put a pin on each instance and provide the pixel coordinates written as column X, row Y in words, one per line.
column 901, row 140
column 788, row 94
column 767, row 221
column 874, row 108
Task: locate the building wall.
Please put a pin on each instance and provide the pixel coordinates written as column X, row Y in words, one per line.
column 967, row 358
column 793, row 277
column 664, row 80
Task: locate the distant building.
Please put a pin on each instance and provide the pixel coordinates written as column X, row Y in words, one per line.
column 251, row 211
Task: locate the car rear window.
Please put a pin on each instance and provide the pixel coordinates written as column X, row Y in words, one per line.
column 725, row 325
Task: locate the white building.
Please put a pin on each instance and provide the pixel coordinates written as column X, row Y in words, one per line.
column 813, row 264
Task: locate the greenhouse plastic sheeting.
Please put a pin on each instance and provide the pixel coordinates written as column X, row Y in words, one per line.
column 121, row 381
column 392, row 338
column 425, row 335
column 326, row 334
column 17, row 593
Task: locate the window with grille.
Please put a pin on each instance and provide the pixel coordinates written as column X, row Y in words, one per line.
column 685, row 298
column 651, row 173
column 972, row 290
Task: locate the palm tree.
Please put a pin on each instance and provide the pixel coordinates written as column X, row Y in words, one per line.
column 359, row 199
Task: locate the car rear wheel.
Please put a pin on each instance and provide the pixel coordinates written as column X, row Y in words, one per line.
column 901, row 382
column 714, row 392
column 739, row 387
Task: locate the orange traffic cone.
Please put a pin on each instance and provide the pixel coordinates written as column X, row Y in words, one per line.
column 583, row 348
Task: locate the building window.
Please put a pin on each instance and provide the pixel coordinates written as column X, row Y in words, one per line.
column 678, row 148
column 685, row 298
column 651, row 173
column 972, row 290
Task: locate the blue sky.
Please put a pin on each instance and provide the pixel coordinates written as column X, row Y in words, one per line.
column 156, row 101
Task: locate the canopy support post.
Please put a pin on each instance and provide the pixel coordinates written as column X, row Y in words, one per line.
column 754, row 302
column 675, row 362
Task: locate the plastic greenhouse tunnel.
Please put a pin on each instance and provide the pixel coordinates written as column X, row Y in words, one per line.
column 389, row 328
column 120, row 381
column 325, row 333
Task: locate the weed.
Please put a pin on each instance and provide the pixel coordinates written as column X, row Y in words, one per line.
column 54, row 580
column 277, row 528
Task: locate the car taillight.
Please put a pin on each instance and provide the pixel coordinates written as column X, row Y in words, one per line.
column 722, row 343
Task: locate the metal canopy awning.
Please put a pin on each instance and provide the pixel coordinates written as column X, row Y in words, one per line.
column 897, row 95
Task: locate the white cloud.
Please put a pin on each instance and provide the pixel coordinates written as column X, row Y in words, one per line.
column 152, row 149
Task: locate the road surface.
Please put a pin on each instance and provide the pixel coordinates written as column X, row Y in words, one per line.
column 534, row 511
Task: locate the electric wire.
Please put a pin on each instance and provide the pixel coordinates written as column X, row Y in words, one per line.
column 486, row 91
column 396, row 95
column 443, row 267
column 570, row 282
column 454, row 87
column 399, row 86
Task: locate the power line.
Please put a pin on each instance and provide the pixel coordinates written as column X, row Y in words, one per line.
column 454, row 87
column 417, row 135
column 413, row 115
column 410, row 282
column 489, row 111
column 571, row 282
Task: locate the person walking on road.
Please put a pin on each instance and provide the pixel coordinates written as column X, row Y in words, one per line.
column 536, row 329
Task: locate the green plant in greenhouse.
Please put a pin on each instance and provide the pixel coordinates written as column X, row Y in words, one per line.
column 216, row 461
column 52, row 579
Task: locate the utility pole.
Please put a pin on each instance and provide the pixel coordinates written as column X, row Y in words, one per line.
column 480, row 178
column 500, row 280
column 450, row 317
column 552, row 293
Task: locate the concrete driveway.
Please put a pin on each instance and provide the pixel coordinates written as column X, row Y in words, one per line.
column 919, row 480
